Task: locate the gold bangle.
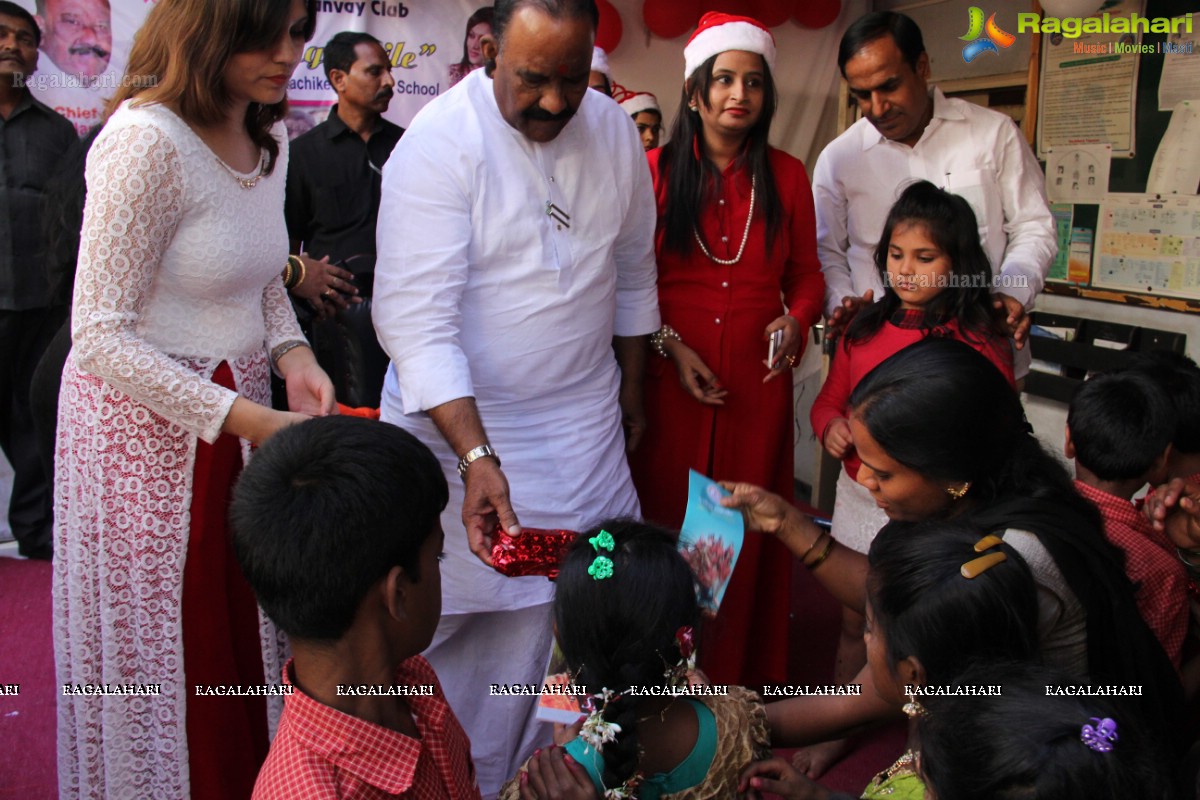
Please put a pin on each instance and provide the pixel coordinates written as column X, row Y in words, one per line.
column 288, row 274
column 298, row 265
column 816, row 542
column 824, row 555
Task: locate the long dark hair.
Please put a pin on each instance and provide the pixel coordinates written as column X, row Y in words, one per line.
column 942, row 409
column 1027, row 743
column 180, row 53
column 620, row 631
column 924, row 607
column 950, row 223
column 485, row 14
column 688, row 176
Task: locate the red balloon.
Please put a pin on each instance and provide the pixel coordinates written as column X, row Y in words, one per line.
column 816, row 13
column 670, row 18
column 608, row 32
column 739, row 8
column 769, row 12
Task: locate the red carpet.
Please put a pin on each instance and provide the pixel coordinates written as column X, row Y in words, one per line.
column 27, row 720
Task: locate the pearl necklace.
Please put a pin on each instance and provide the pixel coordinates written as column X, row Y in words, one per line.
column 745, row 234
column 248, row 183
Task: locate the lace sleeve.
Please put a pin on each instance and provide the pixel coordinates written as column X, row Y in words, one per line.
column 279, row 315
column 135, row 200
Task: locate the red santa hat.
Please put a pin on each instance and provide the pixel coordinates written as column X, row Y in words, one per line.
column 718, row 33
column 638, row 102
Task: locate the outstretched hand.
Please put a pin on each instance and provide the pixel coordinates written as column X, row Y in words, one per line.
column 487, row 503
column 762, row 510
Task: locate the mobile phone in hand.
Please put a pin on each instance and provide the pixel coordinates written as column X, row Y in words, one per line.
column 773, row 347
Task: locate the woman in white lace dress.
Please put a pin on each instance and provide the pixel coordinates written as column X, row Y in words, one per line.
column 179, row 315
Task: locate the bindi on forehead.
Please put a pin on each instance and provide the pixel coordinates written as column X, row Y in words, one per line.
column 562, row 70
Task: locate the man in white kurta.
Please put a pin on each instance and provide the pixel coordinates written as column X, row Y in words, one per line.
column 909, row 132
column 515, row 249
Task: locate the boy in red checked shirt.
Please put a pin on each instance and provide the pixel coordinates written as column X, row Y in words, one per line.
column 1119, row 431
column 336, row 528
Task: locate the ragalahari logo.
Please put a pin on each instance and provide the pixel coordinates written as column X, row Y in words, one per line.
column 993, row 36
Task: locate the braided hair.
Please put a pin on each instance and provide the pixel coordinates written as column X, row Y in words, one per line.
column 619, row 632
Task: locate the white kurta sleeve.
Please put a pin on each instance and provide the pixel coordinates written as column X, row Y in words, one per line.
column 136, row 195
column 421, row 271
column 637, row 272
column 1028, row 223
column 833, row 232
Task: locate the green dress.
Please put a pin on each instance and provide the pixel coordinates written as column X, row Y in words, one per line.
column 898, row 782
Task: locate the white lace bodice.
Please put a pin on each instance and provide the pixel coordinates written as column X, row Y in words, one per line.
column 176, row 262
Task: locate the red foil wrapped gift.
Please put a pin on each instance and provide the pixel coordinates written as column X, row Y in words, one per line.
column 535, row 552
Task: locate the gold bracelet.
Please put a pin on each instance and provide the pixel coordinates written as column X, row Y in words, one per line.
column 816, row 542
column 824, row 555
column 298, row 263
column 288, row 274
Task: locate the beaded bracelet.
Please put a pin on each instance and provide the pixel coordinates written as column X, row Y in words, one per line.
column 660, row 336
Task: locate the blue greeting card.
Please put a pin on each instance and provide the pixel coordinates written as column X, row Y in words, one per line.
column 711, row 539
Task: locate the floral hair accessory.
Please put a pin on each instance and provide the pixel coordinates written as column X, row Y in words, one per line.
column 597, row 731
column 602, row 567
column 1101, row 737
column 677, row 675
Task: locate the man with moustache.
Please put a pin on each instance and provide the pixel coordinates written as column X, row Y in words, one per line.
column 332, row 203
column 33, row 141
column 77, row 36
column 909, row 132
column 514, row 292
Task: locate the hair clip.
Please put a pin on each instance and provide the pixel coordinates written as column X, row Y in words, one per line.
column 988, row 542
column 602, row 566
column 1101, row 737
column 957, row 493
column 973, row 569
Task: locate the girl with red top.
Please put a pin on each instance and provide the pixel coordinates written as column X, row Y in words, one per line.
column 937, row 282
column 737, row 261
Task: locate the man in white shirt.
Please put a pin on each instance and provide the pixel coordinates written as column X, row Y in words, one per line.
column 908, row 133
column 515, row 255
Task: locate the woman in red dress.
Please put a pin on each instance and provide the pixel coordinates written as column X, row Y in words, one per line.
column 737, row 261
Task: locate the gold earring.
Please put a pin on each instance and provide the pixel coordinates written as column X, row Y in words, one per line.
column 913, row 709
column 957, row 493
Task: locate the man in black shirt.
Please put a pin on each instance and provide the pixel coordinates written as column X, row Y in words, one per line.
column 332, row 204
column 33, row 141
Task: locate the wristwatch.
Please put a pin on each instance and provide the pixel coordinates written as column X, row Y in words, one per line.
column 483, row 451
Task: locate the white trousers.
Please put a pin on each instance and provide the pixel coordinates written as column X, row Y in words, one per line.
column 470, row 653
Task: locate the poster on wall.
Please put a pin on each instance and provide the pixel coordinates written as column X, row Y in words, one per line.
column 1089, row 82
column 1149, row 243
column 85, row 45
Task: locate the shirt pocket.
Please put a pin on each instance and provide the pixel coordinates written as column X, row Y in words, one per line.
column 981, row 188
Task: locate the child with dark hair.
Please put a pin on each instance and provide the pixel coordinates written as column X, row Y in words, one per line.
column 1036, row 743
column 624, row 615
column 941, row 596
column 1180, row 379
column 336, row 526
column 1119, row 431
column 937, row 282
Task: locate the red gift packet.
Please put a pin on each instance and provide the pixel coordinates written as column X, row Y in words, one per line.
column 536, row 551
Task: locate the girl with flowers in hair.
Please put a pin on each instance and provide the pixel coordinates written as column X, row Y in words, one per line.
column 737, row 264
column 624, row 611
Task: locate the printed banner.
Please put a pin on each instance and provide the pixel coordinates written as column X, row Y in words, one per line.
column 85, row 45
